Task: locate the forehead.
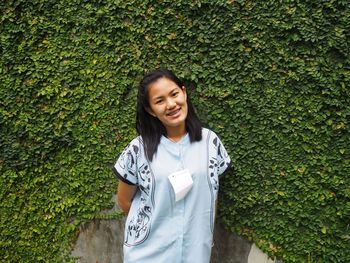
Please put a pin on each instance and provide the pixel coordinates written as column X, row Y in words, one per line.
column 161, row 87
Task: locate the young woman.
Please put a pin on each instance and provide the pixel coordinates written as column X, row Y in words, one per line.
column 168, row 177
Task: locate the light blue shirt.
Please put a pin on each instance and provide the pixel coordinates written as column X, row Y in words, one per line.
column 157, row 228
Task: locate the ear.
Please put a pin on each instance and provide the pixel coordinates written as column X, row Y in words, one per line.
column 150, row 112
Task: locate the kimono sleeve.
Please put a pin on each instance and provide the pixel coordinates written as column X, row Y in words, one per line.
column 126, row 166
column 223, row 159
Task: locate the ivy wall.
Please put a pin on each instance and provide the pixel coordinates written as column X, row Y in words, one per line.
column 270, row 77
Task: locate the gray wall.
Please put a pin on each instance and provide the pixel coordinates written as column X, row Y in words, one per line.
column 101, row 241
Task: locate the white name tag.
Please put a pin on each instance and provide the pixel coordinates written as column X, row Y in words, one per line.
column 181, row 182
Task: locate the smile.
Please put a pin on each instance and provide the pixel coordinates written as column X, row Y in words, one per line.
column 174, row 113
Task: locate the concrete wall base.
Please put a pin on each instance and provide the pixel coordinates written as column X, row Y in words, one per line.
column 101, row 241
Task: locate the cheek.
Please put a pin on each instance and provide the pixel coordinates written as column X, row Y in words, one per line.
column 182, row 100
column 186, row 110
column 156, row 109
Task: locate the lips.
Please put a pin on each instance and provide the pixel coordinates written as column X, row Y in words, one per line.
column 173, row 113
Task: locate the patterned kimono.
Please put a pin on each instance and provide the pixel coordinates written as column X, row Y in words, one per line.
column 158, row 229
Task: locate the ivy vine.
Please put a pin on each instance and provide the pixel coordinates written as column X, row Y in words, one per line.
column 270, row 77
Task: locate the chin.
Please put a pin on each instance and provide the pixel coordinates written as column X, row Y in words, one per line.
column 176, row 124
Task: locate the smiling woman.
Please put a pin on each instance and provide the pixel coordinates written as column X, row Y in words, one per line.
column 169, row 177
column 148, row 125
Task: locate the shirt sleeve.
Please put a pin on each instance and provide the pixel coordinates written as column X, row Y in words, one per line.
column 126, row 166
column 223, row 159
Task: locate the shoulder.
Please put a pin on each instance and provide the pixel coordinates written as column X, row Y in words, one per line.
column 135, row 145
column 208, row 133
column 136, row 141
column 205, row 132
column 212, row 138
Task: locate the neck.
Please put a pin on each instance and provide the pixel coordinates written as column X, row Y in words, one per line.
column 176, row 133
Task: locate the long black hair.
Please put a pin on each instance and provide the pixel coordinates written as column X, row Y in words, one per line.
column 151, row 128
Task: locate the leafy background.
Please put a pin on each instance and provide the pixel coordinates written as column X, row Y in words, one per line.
column 270, row 77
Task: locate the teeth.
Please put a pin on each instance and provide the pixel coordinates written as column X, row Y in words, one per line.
column 173, row 113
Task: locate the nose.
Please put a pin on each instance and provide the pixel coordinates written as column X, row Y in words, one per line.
column 170, row 104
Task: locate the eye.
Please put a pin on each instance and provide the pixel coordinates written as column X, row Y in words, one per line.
column 175, row 93
column 159, row 101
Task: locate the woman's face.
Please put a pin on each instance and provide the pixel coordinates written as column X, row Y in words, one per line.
column 168, row 103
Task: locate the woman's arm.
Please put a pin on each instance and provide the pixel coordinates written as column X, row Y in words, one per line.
column 125, row 195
